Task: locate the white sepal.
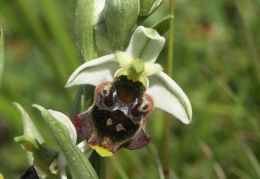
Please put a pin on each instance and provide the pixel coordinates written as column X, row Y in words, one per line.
column 95, row 71
column 169, row 97
column 146, row 44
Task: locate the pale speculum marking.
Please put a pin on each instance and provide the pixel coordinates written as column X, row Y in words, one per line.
column 109, row 122
column 120, row 127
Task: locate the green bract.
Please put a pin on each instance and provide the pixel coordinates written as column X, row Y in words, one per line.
column 46, row 160
column 76, row 160
column 43, row 156
column 145, row 44
column 149, row 6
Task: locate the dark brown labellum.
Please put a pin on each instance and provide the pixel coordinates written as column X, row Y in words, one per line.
column 117, row 117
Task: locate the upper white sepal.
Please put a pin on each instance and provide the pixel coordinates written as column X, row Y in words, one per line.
column 146, row 44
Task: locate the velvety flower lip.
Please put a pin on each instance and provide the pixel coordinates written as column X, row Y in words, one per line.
column 117, row 117
column 145, row 44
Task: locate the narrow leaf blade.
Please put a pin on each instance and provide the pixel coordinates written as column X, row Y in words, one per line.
column 78, row 164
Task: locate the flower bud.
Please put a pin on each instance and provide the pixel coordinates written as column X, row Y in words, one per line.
column 120, row 17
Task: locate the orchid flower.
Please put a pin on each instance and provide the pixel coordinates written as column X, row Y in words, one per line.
column 129, row 86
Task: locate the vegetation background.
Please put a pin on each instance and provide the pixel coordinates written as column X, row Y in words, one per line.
column 216, row 62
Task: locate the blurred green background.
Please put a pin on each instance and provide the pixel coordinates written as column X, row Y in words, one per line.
column 216, row 63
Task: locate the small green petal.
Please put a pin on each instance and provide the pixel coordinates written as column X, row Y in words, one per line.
column 121, row 71
column 125, row 71
column 123, row 59
column 152, row 68
column 143, row 79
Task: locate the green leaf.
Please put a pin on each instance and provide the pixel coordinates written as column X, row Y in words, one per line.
column 78, row 164
column 163, row 26
column 120, row 17
column 84, row 29
column 1, row 55
column 29, row 128
column 43, row 156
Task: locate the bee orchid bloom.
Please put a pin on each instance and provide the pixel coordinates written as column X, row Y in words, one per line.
column 129, row 86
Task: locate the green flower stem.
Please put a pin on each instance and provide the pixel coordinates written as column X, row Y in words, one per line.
column 169, row 71
column 86, row 44
column 1, row 54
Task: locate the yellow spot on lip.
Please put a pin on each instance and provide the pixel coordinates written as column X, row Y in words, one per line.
column 109, row 122
column 102, row 151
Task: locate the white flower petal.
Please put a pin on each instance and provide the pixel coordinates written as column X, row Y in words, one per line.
column 62, row 118
column 169, row 97
column 95, row 71
column 145, row 44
